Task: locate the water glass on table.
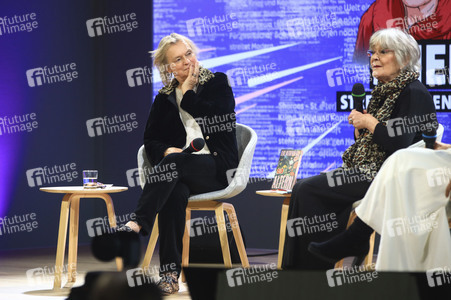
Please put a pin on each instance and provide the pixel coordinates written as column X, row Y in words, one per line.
column 90, row 179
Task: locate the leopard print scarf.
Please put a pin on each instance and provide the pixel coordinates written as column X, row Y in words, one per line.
column 204, row 76
column 365, row 154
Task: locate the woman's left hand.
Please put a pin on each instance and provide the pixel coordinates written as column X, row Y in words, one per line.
column 362, row 121
column 192, row 79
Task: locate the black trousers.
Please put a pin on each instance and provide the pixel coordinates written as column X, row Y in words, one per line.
column 319, row 209
column 166, row 193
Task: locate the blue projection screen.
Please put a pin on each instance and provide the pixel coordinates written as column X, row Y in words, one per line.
column 292, row 65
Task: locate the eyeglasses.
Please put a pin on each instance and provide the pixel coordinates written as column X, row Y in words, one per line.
column 379, row 53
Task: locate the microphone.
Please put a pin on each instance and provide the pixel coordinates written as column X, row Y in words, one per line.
column 429, row 136
column 358, row 94
column 195, row 146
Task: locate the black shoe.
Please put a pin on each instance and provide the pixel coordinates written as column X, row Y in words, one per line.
column 352, row 242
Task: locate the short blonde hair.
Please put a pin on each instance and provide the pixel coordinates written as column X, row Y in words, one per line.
column 407, row 51
column 159, row 55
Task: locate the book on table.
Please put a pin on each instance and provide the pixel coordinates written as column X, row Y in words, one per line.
column 286, row 171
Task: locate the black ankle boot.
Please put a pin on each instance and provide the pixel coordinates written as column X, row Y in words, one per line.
column 352, row 242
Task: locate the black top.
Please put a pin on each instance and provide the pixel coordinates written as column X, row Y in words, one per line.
column 414, row 102
column 213, row 108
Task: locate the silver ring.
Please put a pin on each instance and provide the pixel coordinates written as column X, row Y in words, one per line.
column 194, row 74
column 350, row 120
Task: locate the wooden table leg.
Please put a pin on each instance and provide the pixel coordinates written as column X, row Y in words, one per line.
column 62, row 233
column 73, row 239
column 283, row 230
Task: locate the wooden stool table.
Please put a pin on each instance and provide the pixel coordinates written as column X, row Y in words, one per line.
column 283, row 219
column 71, row 202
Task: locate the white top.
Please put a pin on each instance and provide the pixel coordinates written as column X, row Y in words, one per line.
column 193, row 130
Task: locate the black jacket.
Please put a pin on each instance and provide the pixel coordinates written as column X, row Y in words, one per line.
column 213, row 108
column 414, row 101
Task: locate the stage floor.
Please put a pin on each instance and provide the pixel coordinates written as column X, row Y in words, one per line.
column 15, row 285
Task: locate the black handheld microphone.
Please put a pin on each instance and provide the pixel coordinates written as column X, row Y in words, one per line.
column 195, row 146
column 358, row 94
column 429, row 136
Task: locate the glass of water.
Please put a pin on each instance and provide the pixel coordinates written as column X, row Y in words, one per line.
column 90, row 179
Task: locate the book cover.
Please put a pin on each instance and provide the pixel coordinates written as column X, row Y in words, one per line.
column 287, row 169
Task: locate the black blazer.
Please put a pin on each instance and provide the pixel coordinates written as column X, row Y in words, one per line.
column 213, row 108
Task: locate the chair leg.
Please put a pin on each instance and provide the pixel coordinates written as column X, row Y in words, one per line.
column 230, row 210
column 151, row 245
column 283, row 230
column 185, row 251
column 369, row 257
column 222, row 230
